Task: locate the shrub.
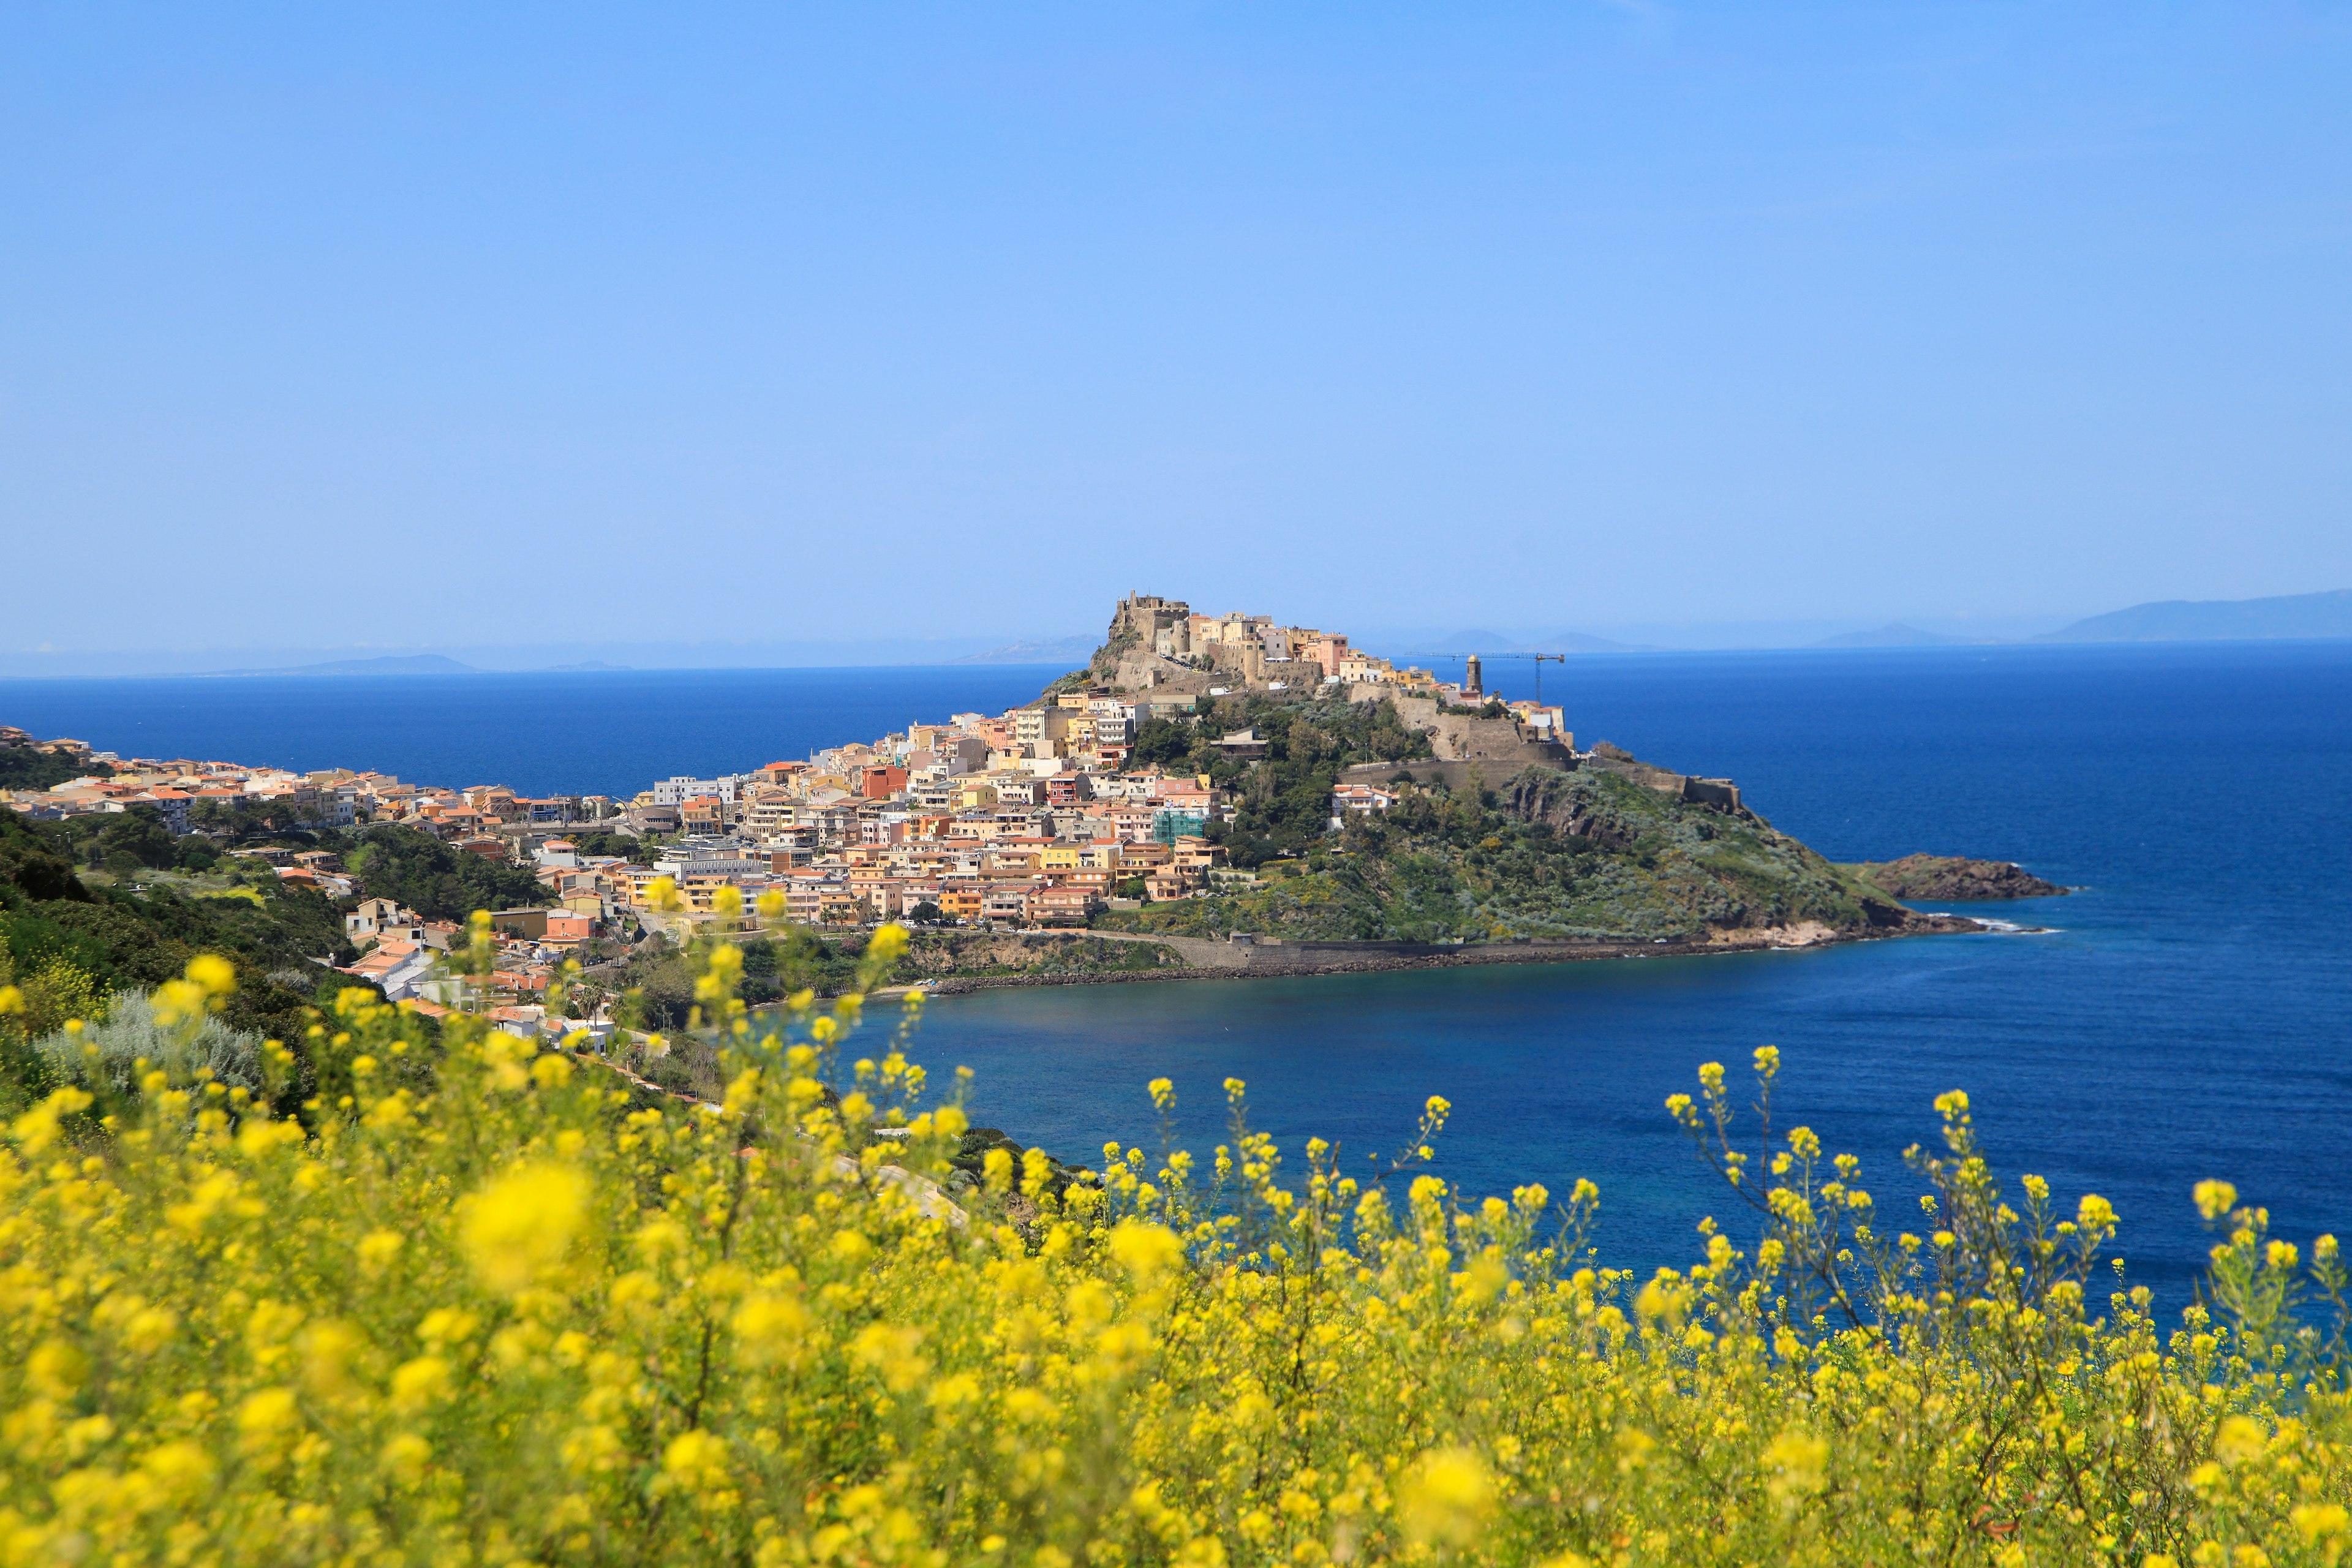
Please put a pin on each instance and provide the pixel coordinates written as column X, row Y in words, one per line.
column 506, row 1305
column 58, row 993
column 123, row 1042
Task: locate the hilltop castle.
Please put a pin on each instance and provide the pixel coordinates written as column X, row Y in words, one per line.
column 1159, row 644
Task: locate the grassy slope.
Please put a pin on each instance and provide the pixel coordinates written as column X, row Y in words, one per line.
column 128, row 939
column 1583, row 855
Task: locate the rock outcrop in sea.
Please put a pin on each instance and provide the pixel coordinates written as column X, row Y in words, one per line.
column 1954, row 878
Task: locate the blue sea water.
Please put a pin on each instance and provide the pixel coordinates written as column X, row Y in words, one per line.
column 611, row 732
column 2184, row 1016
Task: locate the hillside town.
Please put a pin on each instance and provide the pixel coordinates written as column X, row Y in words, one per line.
column 1027, row 819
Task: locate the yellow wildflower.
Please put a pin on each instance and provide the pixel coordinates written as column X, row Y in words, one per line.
column 404, row 1457
column 771, row 1329
column 181, row 1469
column 212, row 973
column 1800, row 1462
column 418, row 1383
column 696, row 1460
column 1447, row 1496
column 890, row 1351
column 2321, row 1520
column 520, row 1225
column 1146, row 1250
column 37, row 1128
column 265, row 1418
column 2237, row 1439
column 56, row 1369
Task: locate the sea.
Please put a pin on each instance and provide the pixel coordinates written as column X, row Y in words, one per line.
column 2181, row 1015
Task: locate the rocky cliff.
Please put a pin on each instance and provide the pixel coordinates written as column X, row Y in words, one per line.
column 1588, row 855
column 1954, row 877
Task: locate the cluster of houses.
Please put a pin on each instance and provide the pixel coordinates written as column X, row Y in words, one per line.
column 404, row 959
column 399, row 947
column 336, row 798
column 1030, row 817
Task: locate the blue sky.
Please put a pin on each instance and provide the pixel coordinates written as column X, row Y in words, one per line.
column 440, row 325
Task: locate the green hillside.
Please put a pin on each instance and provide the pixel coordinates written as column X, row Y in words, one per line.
column 68, row 946
column 1585, row 854
column 29, row 767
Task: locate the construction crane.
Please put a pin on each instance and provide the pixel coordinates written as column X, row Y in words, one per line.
column 1472, row 678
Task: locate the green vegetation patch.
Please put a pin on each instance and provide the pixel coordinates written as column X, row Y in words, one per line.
column 1283, row 801
column 27, row 767
column 422, row 873
column 1582, row 855
column 70, row 948
column 942, row 955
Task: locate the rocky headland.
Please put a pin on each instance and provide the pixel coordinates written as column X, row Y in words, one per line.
column 1479, row 832
column 1954, row 877
column 1381, row 820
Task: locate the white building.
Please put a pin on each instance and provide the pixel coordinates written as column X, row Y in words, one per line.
column 680, row 787
column 1357, row 797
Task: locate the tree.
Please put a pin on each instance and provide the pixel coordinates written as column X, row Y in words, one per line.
column 627, row 845
column 438, row 882
column 139, row 834
column 1160, row 742
column 1283, row 802
column 28, row 767
column 49, row 921
column 248, row 819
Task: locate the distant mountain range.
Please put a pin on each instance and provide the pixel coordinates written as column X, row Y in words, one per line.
column 2171, row 620
column 415, row 664
column 1583, row 642
column 1897, row 635
column 1494, row 645
column 1075, row 650
column 392, row 664
column 2204, row 620
column 2289, row 615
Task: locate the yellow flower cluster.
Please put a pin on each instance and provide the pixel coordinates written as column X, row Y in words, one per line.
column 474, row 1303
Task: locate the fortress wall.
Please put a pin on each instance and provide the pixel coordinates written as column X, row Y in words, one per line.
column 1467, row 772
column 1454, row 774
column 1720, row 793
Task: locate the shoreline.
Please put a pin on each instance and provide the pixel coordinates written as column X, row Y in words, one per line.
column 1772, row 940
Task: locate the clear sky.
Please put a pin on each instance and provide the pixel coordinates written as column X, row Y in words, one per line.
column 419, row 325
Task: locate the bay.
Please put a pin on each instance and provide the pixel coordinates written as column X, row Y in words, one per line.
column 2185, row 1015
